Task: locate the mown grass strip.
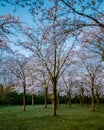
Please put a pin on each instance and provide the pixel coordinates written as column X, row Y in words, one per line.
column 40, row 118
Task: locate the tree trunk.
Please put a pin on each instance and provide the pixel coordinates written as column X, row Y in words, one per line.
column 69, row 97
column 93, row 106
column 83, row 100
column 32, row 100
column 58, row 99
column 97, row 99
column 82, row 96
column 24, row 98
column 46, row 91
column 1, row 90
column 54, row 98
column 80, row 99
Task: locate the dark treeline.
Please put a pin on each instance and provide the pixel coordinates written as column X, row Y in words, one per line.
column 14, row 98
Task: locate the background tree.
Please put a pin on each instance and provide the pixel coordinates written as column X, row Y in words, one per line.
column 42, row 77
column 68, row 84
column 93, row 69
column 17, row 65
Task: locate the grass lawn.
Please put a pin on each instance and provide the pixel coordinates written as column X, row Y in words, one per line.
column 40, row 118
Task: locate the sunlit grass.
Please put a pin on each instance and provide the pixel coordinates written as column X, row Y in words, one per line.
column 40, row 118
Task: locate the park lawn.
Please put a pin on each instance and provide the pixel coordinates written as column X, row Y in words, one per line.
column 39, row 118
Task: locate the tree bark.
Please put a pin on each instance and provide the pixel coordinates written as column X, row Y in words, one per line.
column 54, row 98
column 46, row 91
column 32, row 100
column 97, row 99
column 58, row 99
column 83, row 100
column 93, row 106
column 24, row 98
column 69, row 97
column 82, row 97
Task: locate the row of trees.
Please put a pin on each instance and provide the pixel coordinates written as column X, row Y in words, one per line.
column 84, row 78
column 67, row 52
column 8, row 96
column 11, row 97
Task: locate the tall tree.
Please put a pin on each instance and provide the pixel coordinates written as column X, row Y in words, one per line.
column 52, row 48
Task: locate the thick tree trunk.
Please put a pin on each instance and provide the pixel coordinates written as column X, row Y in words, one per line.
column 69, row 97
column 54, row 98
column 97, row 99
column 24, row 98
column 46, row 91
column 32, row 100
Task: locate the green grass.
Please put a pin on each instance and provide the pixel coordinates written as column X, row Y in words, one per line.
column 40, row 118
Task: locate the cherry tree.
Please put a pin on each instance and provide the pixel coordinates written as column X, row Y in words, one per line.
column 42, row 77
column 17, row 65
column 93, row 70
column 52, row 47
column 69, row 82
column 99, row 88
column 31, row 82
